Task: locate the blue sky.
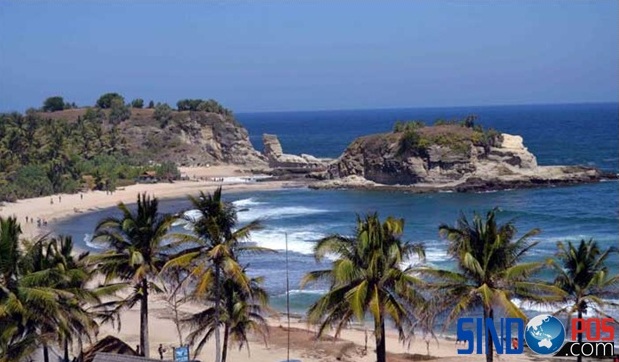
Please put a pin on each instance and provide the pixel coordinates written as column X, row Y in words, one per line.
column 302, row 55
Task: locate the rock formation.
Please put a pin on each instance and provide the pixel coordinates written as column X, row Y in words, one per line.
column 278, row 159
column 193, row 139
column 449, row 157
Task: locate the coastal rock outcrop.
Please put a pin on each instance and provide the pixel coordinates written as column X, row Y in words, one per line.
column 193, row 139
column 447, row 157
column 279, row 160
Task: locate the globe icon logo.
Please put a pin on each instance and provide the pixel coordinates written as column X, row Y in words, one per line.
column 544, row 334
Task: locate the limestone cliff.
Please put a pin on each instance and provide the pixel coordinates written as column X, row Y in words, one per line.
column 278, row 159
column 192, row 139
column 446, row 157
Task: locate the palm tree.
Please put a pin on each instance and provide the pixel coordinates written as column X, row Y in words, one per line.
column 489, row 271
column 213, row 249
column 42, row 295
column 367, row 277
column 241, row 312
column 583, row 275
column 136, row 253
column 82, row 308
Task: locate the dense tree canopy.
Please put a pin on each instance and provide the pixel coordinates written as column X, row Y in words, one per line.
column 53, row 104
column 137, row 103
column 105, row 101
column 202, row 105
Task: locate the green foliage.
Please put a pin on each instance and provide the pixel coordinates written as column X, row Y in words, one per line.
column 135, row 255
column 43, row 294
column 105, row 101
column 42, row 156
column 489, row 270
column 582, row 273
column 210, row 256
column 168, row 171
column 412, row 142
column 119, row 112
column 163, row 114
column 403, row 126
column 415, row 142
column 53, row 104
column 210, row 105
column 188, row 104
column 367, row 278
column 151, row 104
column 137, row 103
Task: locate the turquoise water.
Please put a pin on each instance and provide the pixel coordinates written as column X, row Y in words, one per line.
column 566, row 134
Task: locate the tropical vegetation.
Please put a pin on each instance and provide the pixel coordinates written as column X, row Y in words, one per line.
column 210, row 256
column 457, row 134
column 48, row 299
column 489, row 270
column 136, row 254
column 583, row 275
column 45, row 297
column 367, row 278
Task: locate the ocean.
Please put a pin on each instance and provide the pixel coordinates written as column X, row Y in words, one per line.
column 570, row 134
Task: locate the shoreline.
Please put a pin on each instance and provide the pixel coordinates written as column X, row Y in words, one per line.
column 57, row 207
column 351, row 342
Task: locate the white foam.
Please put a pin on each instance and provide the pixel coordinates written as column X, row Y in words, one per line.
column 299, row 241
column 306, row 291
column 246, row 203
column 88, row 241
column 270, row 213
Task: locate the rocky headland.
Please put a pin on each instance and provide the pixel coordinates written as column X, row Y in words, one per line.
column 447, row 157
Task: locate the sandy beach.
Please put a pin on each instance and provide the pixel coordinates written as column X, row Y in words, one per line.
column 349, row 347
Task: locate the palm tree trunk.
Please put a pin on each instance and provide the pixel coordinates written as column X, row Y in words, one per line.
column 144, row 346
column 45, row 353
column 381, row 355
column 217, row 303
column 66, row 350
column 488, row 313
column 579, row 357
column 224, row 352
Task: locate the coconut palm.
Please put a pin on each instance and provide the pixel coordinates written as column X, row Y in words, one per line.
column 241, row 313
column 55, row 267
column 83, row 307
column 136, row 254
column 367, row 277
column 42, row 296
column 489, row 270
column 212, row 249
column 583, row 275
column 29, row 306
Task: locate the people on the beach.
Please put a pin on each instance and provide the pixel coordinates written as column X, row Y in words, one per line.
column 59, row 199
column 81, row 196
column 161, row 350
column 51, row 200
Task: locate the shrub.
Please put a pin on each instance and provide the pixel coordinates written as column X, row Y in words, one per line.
column 105, row 101
column 53, row 104
column 137, row 103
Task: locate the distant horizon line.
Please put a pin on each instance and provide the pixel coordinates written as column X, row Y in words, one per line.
column 428, row 107
column 383, row 108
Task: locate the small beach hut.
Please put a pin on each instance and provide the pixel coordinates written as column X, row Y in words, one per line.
column 148, row 177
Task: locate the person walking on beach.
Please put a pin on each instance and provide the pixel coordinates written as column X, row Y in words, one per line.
column 59, row 199
column 161, row 351
column 51, row 200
